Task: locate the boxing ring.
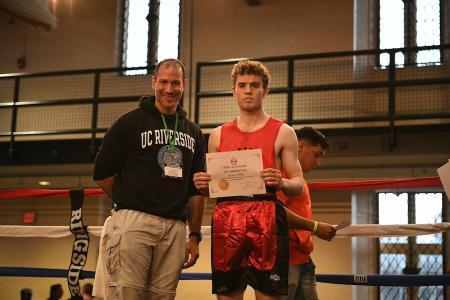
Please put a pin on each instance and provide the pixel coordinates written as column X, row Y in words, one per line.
column 83, row 233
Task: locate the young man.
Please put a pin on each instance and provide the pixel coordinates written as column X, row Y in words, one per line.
column 145, row 165
column 312, row 146
column 250, row 242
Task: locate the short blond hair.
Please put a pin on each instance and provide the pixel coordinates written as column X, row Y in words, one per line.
column 252, row 67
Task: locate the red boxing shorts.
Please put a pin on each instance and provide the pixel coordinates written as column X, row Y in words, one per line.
column 250, row 245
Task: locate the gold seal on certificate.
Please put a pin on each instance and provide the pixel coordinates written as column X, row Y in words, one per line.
column 223, row 184
column 235, row 173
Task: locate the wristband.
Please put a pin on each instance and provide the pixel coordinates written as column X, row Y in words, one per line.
column 316, row 225
column 197, row 235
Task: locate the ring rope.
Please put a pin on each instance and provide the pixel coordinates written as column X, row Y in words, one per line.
column 357, row 230
column 336, row 185
column 358, row 279
column 366, row 230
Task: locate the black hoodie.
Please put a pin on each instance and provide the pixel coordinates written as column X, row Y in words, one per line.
column 135, row 150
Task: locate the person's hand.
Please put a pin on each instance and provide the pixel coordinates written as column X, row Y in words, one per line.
column 325, row 231
column 192, row 253
column 201, row 182
column 272, row 178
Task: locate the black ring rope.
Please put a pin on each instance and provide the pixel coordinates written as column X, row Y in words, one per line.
column 368, row 280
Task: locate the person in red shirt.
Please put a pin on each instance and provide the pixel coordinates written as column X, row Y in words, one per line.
column 312, row 146
column 250, row 232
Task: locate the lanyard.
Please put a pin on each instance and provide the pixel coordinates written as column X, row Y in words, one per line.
column 171, row 142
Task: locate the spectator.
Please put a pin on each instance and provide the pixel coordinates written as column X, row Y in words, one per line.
column 312, row 146
column 87, row 291
column 26, row 294
column 56, row 292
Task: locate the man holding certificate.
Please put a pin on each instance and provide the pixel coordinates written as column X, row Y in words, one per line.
column 250, row 225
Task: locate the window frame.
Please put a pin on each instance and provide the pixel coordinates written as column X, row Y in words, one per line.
column 410, row 36
column 152, row 51
column 412, row 243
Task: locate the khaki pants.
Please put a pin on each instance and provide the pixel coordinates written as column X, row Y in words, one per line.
column 101, row 274
column 141, row 256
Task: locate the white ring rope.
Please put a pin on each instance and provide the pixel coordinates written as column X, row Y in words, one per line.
column 359, row 230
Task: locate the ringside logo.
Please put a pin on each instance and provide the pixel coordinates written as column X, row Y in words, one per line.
column 79, row 252
column 360, row 279
column 80, row 245
column 275, row 277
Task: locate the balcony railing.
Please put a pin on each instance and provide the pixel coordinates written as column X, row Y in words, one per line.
column 346, row 89
column 338, row 89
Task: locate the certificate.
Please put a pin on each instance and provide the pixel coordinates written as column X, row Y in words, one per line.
column 235, row 173
column 444, row 175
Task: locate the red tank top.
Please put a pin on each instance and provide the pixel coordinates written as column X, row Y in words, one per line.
column 232, row 139
column 300, row 241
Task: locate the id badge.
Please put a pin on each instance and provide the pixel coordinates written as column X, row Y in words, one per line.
column 173, row 172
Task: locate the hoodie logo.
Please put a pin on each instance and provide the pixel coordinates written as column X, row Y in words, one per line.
column 170, row 157
column 158, row 137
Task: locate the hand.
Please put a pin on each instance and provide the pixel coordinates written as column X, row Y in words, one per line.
column 325, row 231
column 192, row 253
column 272, row 178
column 201, row 182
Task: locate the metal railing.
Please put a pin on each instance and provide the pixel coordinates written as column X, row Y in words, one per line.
column 326, row 88
column 339, row 87
column 63, row 94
